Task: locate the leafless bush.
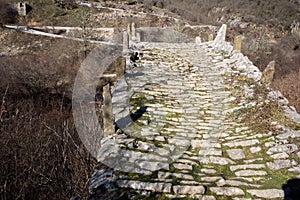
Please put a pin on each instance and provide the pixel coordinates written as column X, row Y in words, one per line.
column 289, row 84
column 8, row 14
column 271, row 12
column 50, row 70
column 287, row 59
column 2, row 108
column 41, row 154
column 287, row 56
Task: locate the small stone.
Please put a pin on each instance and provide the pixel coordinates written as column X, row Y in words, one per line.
column 294, row 169
column 208, row 171
column 211, row 152
column 244, row 25
column 236, row 154
column 204, row 160
column 268, row 73
column 251, row 173
column 270, row 144
column 165, row 175
column 236, row 183
column 160, row 138
column 289, row 134
column 280, row 156
column 292, row 113
column 188, row 189
column 255, row 149
column 206, row 197
column 227, row 191
column 137, row 185
column 242, row 143
column 211, row 179
column 294, row 163
column 267, row 194
column 204, row 144
column 179, row 142
column 248, row 166
column 220, row 160
column 288, row 148
column 198, row 40
column 183, row 166
column 221, row 182
column 277, row 96
column 152, row 166
column 253, row 160
column 279, row 164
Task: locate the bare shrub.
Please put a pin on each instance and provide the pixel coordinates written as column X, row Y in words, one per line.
column 8, row 14
column 280, row 14
column 287, row 54
column 52, row 70
column 41, row 153
column 289, row 85
column 40, row 150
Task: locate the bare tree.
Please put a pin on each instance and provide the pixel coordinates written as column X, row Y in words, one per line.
column 87, row 23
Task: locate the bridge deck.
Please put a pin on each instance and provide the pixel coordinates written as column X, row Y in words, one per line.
column 178, row 136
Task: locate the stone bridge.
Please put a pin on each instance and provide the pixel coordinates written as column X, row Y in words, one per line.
column 179, row 132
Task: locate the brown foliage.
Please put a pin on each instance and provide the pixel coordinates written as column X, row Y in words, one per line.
column 8, row 14
column 52, row 69
column 286, row 54
column 41, row 154
column 273, row 12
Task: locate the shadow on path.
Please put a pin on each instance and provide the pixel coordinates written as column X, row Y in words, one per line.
column 126, row 121
column 292, row 189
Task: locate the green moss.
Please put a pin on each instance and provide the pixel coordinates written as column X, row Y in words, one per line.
column 247, row 195
column 276, row 179
column 258, row 117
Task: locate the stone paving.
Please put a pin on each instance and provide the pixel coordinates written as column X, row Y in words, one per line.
column 175, row 135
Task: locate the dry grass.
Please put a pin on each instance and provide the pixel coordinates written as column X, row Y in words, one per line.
column 286, row 54
column 41, row 154
column 275, row 13
column 290, row 87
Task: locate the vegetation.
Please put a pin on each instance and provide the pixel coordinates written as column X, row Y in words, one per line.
column 261, row 114
column 8, row 13
column 42, row 156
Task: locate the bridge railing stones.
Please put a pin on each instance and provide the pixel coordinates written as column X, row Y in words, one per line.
column 220, row 38
column 242, row 62
column 268, row 73
column 125, row 41
column 219, row 42
column 198, row 40
column 133, row 31
column 108, row 120
column 245, row 66
column 129, row 31
column 238, row 43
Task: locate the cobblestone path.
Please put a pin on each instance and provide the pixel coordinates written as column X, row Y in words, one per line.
column 176, row 136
